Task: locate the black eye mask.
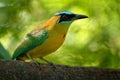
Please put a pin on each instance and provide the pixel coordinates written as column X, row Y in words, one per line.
column 66, row 17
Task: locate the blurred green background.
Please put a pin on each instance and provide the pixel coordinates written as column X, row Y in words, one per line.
column 90, row 42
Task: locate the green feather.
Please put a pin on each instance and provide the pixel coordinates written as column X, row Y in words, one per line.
column 32, row 40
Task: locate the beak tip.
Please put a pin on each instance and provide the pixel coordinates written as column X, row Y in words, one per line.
column 80, row 16
column 83, row 16
column 86, row 17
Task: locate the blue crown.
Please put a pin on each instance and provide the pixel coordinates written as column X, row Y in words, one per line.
column 65, row 12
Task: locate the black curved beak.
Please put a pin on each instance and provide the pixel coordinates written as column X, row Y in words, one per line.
column 79, row 16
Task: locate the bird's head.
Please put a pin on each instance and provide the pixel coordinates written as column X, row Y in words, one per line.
column 62, row 19
column 66, row 17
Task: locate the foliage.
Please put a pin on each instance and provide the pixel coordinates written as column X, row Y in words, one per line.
column 91, row 42
column 3, row 53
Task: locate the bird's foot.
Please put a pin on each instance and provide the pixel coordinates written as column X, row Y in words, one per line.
column 46, row 61
column 50, row 63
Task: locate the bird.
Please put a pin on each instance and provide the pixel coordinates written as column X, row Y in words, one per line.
column 46, row 38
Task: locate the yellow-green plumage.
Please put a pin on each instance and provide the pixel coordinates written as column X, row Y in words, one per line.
column 43, row 39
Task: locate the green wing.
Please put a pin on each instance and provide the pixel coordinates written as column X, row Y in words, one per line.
column 32, row 40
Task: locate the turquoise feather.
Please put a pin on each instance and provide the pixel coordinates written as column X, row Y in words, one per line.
column 31, row 41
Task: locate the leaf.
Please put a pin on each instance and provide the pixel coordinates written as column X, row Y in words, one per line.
column 4, row 54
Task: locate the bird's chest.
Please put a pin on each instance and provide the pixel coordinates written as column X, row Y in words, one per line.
column 55, row 38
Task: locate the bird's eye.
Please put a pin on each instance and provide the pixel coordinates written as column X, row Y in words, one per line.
column 65, row 16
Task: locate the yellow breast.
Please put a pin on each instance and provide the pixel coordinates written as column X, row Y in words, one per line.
column 55, row 39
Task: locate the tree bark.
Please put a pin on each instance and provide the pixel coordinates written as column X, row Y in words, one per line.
column 19, row 70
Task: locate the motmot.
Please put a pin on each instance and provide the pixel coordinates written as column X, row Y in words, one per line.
column 47, row 37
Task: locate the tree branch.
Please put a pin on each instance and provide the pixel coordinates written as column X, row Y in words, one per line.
column 18, row 70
